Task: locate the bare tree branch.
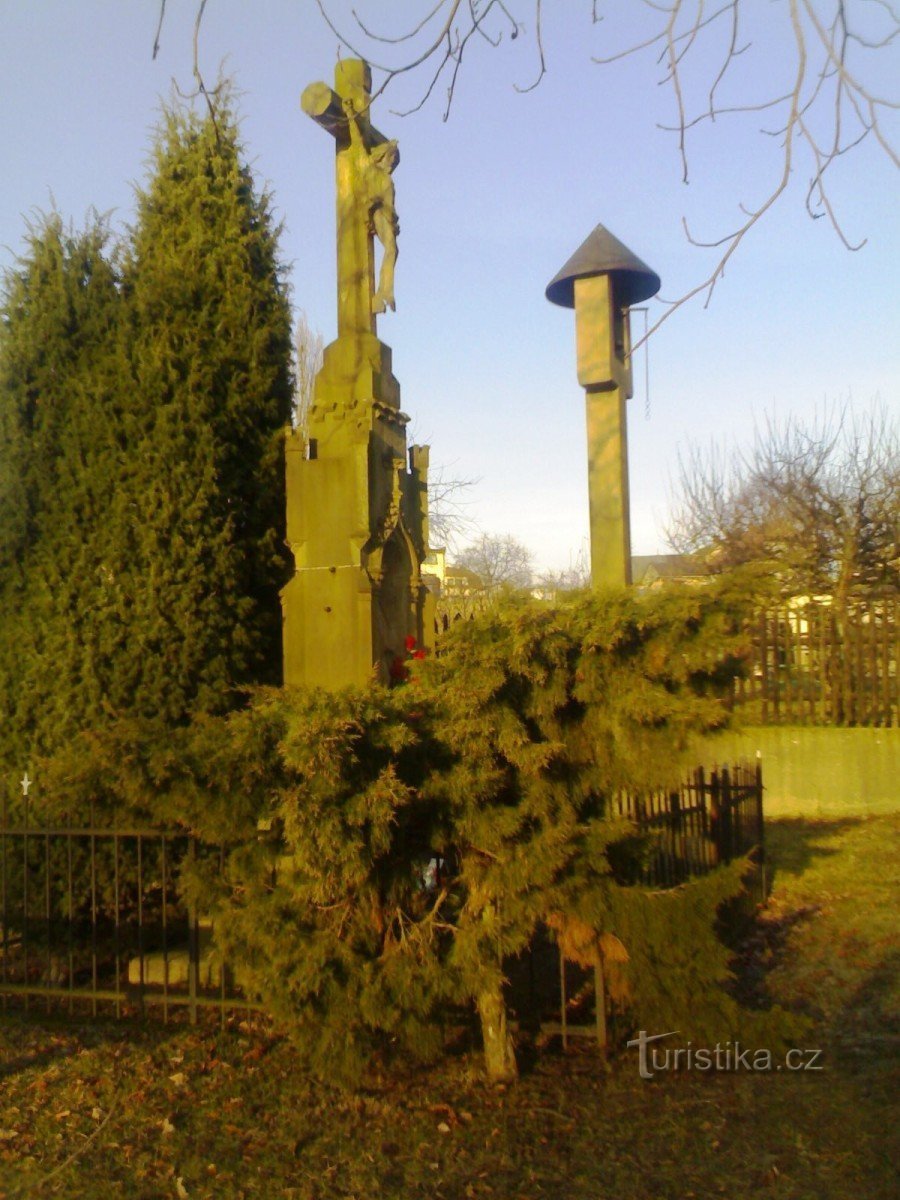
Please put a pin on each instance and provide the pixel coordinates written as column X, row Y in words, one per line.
column 162, row 17
column 201, row 89
column 661, row 35
column 403, row 37
column 829, row 83
column 822, row 76
column 392, row 73
column 201, row 86
column 309, row 345
column 540, row 45
column 732, row 241
column 818, row 502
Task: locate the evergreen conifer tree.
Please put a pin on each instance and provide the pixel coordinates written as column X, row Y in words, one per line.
column 142, row 401
column 200, row 516
column 57, row 474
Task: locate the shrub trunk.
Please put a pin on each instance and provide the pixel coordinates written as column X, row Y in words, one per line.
column 499, row 1056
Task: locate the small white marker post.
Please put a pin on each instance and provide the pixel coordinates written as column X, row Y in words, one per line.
column 26, row 783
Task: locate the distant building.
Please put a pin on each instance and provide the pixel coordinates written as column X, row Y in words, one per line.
column 653, row 570
column 460, row 592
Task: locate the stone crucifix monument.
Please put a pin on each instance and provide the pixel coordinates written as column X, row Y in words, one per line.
column 601, row 281
column 357, row 510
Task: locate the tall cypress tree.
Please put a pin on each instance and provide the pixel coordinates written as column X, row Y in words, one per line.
column 58, row 316
column 201, row 514
column 141, row 484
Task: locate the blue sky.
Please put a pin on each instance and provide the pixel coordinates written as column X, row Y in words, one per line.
column 491, row 204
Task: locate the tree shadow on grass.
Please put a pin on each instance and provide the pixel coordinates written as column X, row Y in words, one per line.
column 869, row 1020
column 33, row 1058
column 794, row 843
column 32, row 1040
column 760, row 938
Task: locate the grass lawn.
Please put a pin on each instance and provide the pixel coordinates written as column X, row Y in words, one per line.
column 123, row 1110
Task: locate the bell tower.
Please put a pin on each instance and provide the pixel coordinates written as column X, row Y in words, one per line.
column 601, row 281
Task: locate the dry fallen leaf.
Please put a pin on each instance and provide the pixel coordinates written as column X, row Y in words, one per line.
column 180, row 1189
column 167, row 1127
column 178, row 1078
column 6, row 1135
column 443, row 1127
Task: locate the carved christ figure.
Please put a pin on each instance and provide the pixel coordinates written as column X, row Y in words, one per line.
column 377, row 187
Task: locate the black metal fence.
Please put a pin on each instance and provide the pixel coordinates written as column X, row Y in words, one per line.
column 712, row 818
column 94, row 919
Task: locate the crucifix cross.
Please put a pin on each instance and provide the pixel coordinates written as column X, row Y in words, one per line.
column 364, row 161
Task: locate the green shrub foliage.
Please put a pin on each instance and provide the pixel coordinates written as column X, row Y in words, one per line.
column 388, row 851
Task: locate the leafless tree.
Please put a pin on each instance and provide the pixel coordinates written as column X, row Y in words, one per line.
column 309, row 346
column 572, row 578
column 449, row 519
column 819, row 503
column 499, row 560
column 820, row 111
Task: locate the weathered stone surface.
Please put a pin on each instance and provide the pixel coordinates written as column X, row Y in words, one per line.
column 357, row 514
column 172, row 969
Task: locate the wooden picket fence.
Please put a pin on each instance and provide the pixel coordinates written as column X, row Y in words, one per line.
column 812, row 665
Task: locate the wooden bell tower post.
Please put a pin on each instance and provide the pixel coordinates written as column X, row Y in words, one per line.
column 601, row 281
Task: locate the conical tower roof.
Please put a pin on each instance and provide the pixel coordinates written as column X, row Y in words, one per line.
column 601, row 253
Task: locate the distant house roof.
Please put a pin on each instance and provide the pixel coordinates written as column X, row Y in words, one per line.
column 462, row 577
column 647, row 568
column 452, row 578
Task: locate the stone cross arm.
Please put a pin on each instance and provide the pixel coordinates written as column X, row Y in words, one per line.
column 325, row 106
column 366, row 209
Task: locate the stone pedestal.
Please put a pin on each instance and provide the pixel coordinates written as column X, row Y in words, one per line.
column 357, row 526
column 357, row 504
